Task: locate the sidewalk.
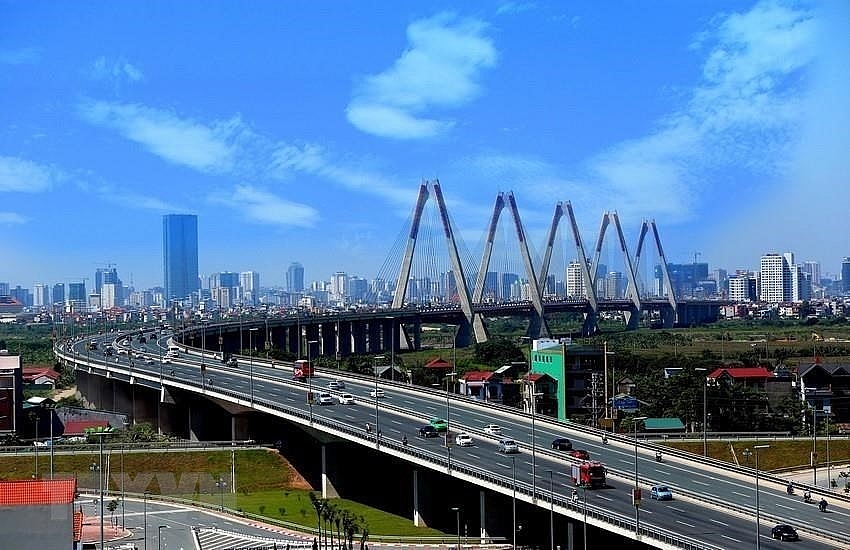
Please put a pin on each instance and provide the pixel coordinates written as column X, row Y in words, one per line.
column 806, row 476
column 91, row 530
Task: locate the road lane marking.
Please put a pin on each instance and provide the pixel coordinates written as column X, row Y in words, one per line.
column 700, row 482
column 730, row 538
column 720, row 522
column 783, row 506
column 685, row 523
column 741, row 494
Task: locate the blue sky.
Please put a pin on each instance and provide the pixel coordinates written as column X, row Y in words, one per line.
column 299, row 131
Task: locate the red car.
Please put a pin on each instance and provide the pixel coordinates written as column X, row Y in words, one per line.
column 580, row 454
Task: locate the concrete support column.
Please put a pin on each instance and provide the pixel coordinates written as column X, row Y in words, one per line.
column 482, row 510
column 328, row 339
column 374, row 337
column 358, row 332
column 571, row 543
column 328, row 490
column 344, row 338
column 418, row 520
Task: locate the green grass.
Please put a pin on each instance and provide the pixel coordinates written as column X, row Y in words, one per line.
column 266, row 485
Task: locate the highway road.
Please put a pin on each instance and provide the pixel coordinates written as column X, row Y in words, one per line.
column 728, row 521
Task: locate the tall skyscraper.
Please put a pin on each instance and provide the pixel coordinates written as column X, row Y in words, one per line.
column 295, row 277
column 845, row 274
column 250, row 283
column 59, row 293
column 180, row 255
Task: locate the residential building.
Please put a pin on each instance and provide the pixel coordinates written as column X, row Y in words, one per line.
column 180, row 255
column 11, row 393
column 46, row 503
column 845, row 275
column 775, row 279
column 575, row 281
column 825, row 387
column 41, row 295
column 572, row 369
column 58, row 293
column 77, row 296
column 249, row 281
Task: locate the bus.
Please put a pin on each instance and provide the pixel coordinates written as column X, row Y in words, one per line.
column 302, row 369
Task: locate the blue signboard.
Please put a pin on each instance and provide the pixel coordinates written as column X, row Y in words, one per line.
column 627, row 403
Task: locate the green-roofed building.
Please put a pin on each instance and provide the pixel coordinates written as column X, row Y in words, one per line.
column 571, row 366
column 663, row 425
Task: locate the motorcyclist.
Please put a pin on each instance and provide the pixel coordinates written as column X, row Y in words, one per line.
column 822, row 505
column 368, row 428
column 790, row 488
column 807, row 497
column 404, row 440
column 604, row 439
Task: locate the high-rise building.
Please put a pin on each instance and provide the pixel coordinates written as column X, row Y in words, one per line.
column 812, row 268
column 845, row 275
column 59, row 293
column 250, row 283
column 180, row 255
column 41, row 295
column 775, row 279
column 742, row 288
column 4, row 289
column 575, row 281
column 295, row 277
column 339, row 285
column 77, row 297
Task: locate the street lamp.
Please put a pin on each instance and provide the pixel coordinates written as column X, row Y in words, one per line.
column 221, row 484
column 375, row 369
column 203, row 352
column 449, row 376
column 251, row 332
column 159, row 535
column 100, row 435
column 814, row 459
column 584, row 525
column 310, row 378
column 758, row 537
column 513, row 504
column 456, row 510
column 636, row 493
column 534, row 396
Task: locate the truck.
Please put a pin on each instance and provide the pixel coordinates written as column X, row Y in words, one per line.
column 302, row 369
column 588, row 473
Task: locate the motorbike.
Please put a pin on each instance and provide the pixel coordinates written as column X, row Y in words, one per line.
column 807, row 498
column 822, row 505
column 790, row 489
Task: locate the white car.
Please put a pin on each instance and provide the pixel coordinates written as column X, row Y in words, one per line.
column 325, row 399
column 346, row 399
column 463, row 440
column 493, row 429
column 377, row 393
column 148, row 361
column 166, row 360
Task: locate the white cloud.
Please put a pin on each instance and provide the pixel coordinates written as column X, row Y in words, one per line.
column 208, row 148
column 11, row 218
column 17, row 174
column 117, row 71
column 22, row 56
column 742, row 113
column 439, row 70
column 515, row 7
column 266, row 208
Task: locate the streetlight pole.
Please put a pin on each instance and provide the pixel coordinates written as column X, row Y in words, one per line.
column 456, row 510
column 51, row 408
column 513, row 504
column 221, row 484
column 704, row 412
column 756, row 449
column 159, row 535
column 251, row 362
column 814, row 446
column 145, row 517
column 584, row 525
column 636, row 493
column 551, row 511
column 100, row 435
column 310, row 378
column 375, row 369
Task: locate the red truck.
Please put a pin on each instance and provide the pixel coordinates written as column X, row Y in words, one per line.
column 588, row 473
column 302, row 369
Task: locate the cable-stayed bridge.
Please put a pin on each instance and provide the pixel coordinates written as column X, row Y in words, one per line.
column 429, row 268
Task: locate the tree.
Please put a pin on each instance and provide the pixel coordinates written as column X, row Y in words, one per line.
column 497, row 352
column 318, row 505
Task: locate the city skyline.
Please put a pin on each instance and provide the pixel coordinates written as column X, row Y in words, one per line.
column 725, row 122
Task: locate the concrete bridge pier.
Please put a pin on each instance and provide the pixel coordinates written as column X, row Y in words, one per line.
column 482, row 519
column 419, row 498
column 328, row 489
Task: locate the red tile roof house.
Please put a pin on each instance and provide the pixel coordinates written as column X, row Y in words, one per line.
column 79, row 427
column 481, row 384
column 40, row 375
column 752, row 377
column 38, row 513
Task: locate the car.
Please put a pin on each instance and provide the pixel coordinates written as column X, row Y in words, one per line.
column 336, row 385
column 346, row 399
column 581, row 454
column 493, row 429
column 148, row 361
column 166, row 360
column 427, row 431
column 439, row 424
column 783, row 531
column 377, row 393
column 562, row 444
column 325, row 399
column 660, row 492
column 508, row 446
column 463, row 440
